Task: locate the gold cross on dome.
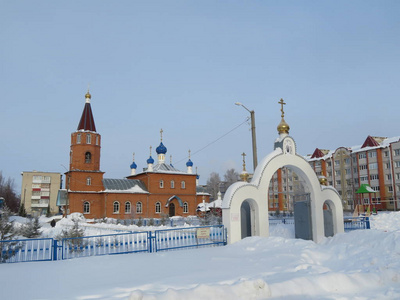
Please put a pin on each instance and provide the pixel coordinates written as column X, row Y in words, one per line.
column 244, row 155
column 161, row 131
column 189, row 153
column 150, row 149
column 133, row 156
column 282, row 104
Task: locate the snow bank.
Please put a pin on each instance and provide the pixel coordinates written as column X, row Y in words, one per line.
column 362, row 264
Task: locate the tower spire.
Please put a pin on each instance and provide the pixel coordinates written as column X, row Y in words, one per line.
column 87, row 121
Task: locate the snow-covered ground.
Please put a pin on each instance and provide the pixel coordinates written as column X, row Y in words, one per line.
column 363, row 264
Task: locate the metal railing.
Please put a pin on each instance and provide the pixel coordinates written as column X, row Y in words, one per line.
column 47, row 249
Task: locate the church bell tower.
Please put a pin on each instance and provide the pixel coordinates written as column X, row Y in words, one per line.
column 84, row 167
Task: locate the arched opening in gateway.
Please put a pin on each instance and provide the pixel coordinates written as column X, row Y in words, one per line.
column 328, row 219
column 245, row 219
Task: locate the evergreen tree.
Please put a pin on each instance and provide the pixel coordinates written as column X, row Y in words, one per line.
column 7, row 233
column 31, row 229
column 73, row 236
column 22, row 211
column 48, row 213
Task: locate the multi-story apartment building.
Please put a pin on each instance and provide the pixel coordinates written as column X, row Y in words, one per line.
column 376, row 162
column 39, row 192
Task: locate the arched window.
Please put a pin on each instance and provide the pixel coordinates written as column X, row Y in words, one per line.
column 139, row 207
column 161, row 184
column 127, row 207
column 183, row 185
column 185, row 207
column 88, row 138
column 172, row 184
column 88, row 157
column 116, row 207
column 78, row 138
column 158, row 207
column 89, row 181
column 97, row 139
column 86, row 207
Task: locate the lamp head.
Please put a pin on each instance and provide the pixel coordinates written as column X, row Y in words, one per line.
column 238, row 103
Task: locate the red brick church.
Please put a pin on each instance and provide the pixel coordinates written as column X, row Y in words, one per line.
column 158, row 191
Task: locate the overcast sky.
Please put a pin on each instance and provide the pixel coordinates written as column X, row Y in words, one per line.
column 181, row 66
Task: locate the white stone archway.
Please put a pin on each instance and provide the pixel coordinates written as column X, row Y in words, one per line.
column 284, row 155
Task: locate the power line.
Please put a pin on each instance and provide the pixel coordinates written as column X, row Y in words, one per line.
column 216, row 140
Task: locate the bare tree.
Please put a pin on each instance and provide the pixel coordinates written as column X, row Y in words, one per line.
column 7, row 191
column 231, row 176
column 213, row 183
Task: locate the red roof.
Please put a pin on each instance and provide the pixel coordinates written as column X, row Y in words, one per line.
column 317, row 153
column 87, row 122
column 370, row 142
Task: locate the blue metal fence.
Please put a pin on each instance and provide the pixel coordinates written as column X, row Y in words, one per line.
column 202, row 236
column 105, row 245
column 355, row 223
column 143, row 241
column 26, row 250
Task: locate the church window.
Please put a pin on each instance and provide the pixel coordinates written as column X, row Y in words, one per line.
column 127, row 207
column 78, row 138
column 158, row 207
column 161, row 184
column 89, row 181
column 86, row 207
column 116, row 207
column 139, row 207
column 88, row 157
column 88, row 138
column 183, row 185
column 172, row 184
column 185, row 208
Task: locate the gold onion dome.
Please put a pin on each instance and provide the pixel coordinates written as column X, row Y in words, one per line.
column 283, row 127
column 323, row 180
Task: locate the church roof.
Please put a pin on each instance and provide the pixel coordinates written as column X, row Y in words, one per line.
column 124, row 185
column 87, row 121
column 164, row 168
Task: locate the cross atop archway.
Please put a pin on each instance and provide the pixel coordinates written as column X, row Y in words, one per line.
column 282, row 104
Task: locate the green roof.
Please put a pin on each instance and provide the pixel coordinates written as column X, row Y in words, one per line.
column 365, row 189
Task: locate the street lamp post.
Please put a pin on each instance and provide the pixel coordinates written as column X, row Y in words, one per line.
column 253, row 133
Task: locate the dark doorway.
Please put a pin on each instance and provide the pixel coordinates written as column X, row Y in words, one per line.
column 328, row 220
column 302, row 219
column 171, row 209
column 245, row 218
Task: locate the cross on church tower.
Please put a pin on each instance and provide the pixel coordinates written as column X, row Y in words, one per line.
column 161, row 132
column 282, row 104
column 244, row 162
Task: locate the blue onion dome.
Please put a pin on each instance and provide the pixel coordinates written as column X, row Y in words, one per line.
column 161, row 149
column 189, row 163
column 133, row 165
column 150, row 160
column 197, row 176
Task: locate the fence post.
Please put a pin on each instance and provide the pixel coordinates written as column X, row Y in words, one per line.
column 55, row 249
column 367, row 223
column 149, row 240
